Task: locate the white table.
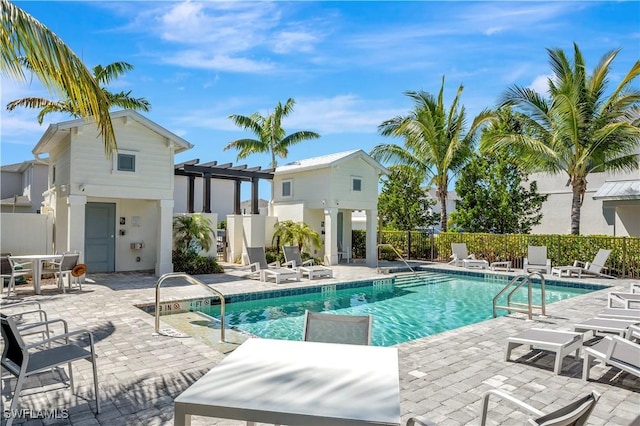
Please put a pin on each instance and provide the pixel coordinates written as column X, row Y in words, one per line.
column 36, row 260
column 298, row 383
column 475, row 263
column 569, row 270
column 558, row 341
column 502, row 264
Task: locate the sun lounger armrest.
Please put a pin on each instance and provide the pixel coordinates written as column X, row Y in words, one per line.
column 507, row 397
column 254, row 267
column 633, row 332
column 275, row 264
column 289, row 264
column 309, row 262
column 580, row 263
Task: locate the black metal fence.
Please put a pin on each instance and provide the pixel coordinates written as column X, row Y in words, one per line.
column 624, row 260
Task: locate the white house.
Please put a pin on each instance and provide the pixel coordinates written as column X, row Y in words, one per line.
column 22, row 186
column 116, row 212
column 324, row 191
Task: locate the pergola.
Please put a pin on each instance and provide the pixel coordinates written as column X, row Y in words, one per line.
column 212, row 170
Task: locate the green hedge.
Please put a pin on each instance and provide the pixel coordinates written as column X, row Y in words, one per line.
column 624, row 260
column 194, row 264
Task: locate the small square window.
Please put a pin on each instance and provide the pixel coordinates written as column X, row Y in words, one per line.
column 356, row 184
column 126, row 163
column 286, row 188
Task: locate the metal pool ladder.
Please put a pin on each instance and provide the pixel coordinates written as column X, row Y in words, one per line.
column 397, row 254
column 518, row 282
column 191, row 280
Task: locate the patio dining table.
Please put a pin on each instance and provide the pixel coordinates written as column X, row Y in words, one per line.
column 298, row 383
column 37, row 260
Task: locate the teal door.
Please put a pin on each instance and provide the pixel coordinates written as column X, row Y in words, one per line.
column 99, row 237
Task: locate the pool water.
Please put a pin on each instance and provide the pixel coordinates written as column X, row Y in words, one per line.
column 421, row 307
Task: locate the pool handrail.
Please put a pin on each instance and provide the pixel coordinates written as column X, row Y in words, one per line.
column 191, row 280
column 520, row 280
column 397, row 254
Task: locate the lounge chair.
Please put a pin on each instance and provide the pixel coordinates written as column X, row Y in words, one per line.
column 615, row 351
column 24, row 360
column 329, row 328
column 257, row 260
column 620, row 313
column 537, row 259
column 576, row 413
column 628, row 300
column 602, row 326
column 562, row 343
column 294, row 260
column 586, row 268
column 460, row 254
column 64, row 267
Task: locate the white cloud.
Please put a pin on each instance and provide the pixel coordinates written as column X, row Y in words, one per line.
column 204, row 60
column 541, row 84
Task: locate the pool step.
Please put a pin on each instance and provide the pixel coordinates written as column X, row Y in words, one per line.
column 420, row 278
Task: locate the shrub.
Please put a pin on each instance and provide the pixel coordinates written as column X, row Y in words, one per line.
column 193, row 264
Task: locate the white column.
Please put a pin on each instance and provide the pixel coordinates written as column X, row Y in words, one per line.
column 372, row 237
column 164, row 263
column 254, row 230
column 75, row 226
column 331, row 234
column 234, row 238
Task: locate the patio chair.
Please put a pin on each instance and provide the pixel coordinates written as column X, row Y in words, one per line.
column 257, row 260
column 24, row 360
column 64, row 267
column 615, row 351
column 576, row 413
column 328, row 328
column 537, row 260
column 587, row 268
column 620, row 313
column 10, row 269
column 294, row 259
column 460, row 254
column 603, row 326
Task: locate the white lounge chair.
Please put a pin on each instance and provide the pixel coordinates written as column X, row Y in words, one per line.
column 603, row 326
column 586, row 268
column 460, row 253
column 615, row 351
column 257, row 260
column 628, row 300
column 620, row 313
column 537, row 259
column 294, row 260
column 576, row 413
column 329, row 328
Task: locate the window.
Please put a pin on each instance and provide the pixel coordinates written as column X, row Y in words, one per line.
column 126, row 163
column 356, row 183
column 286, row 188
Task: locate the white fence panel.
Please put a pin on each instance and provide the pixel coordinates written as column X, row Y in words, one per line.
column 26, row 233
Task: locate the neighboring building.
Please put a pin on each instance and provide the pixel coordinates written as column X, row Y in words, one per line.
column 324, row 191
column 452, row 197
column 22, row 186
column 117, row 212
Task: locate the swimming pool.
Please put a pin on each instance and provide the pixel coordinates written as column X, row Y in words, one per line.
column 402, row 310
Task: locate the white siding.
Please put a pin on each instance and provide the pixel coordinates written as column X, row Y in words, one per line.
column 343, row 196
column 91, row 169
column 146, row 214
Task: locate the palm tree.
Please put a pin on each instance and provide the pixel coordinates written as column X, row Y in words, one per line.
column 192, row 229
column 578, row 130
column 271, row 135
column 290, row 233
column 435, row 143
column 103, row 75
column 55, row 65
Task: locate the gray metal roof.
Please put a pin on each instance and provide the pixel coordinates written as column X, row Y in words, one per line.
column 619, row 190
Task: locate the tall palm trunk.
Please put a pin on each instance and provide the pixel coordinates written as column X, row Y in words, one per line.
column 442, row 196
column 578, row 187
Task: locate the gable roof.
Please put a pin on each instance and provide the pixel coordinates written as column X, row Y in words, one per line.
column 21, row 167
column 619, row 190
column 329, row 160
column 56, row 132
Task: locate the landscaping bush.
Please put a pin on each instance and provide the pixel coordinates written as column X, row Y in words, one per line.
column 193, row 264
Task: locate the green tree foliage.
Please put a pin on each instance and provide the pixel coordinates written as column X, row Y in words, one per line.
column 103, row 75
column 436, row 145
column 271, row 137
column 494, row 197
column 191, row 233
column 23, row 37
column 580, row 128
column 291, row 233
column 402, row 204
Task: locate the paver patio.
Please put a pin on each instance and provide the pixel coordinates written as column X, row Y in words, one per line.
column 443, row 376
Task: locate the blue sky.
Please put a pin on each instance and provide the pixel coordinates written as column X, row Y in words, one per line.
column 347, row 64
